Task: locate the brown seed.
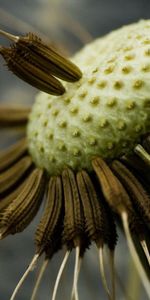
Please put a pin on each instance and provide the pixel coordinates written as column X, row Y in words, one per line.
column 47, row 59
column 23, row 209
column 11, row 176
column 137, row 166
column 73, row 219
column 45, row 235
column 111, row 187
column 137, row 193
column 13, row 154
column 93, row 216
column 116, row 195
column 94, row 212
column 30, row 73
column 12, row 116
column 12, row 195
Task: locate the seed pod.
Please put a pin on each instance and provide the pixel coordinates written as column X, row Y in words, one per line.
column 14, row 153
column 116, row 195
column 11, row 176
column 13, row 116
column 47, row 59
column 138, row 195
column 96, row 223
column 22, row 210
column 30, row 73
column 45, row 236
column 73, row 219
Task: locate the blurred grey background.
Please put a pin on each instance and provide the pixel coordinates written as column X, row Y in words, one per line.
column 69, row 24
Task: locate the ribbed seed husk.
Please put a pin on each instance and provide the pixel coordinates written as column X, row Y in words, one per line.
column 136, row 164
column 12, row 154
column 116, row 195
column 11, row 176
column 93, row 212
column 111, row 236
column 22, row 210
column 13, row 194
column 73, row 218
column 47, row 59
column 13, row 116
column 28, row 72
column 45, row 236
column 137, row 193
column 138, row 168
column 112, row 189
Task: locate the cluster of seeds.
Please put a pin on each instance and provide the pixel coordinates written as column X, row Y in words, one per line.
column 104, row 113
column 79, row 148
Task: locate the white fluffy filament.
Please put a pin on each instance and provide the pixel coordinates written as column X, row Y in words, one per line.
column 63, row 264
column 74, row 294
column 102, row 271
column 134, row 255
column 21, row 281
column 39, row 278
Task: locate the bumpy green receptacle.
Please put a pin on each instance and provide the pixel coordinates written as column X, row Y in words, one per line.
column 104, row 113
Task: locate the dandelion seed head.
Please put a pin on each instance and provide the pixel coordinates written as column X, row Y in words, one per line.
column 124, row 116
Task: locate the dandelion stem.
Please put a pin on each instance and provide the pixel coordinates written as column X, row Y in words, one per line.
column 134, row 255
column 60, row 274
column 39, row 278
column 74, row 295
column 102, row 271
column 29, row 269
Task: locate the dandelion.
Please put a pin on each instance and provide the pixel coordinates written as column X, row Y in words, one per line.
column 87, row 149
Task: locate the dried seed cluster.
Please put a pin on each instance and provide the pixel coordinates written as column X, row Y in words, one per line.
column 105, row 113
column 37, row 63
column 102, row 116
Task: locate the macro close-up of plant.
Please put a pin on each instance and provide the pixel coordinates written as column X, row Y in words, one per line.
column 77, row 156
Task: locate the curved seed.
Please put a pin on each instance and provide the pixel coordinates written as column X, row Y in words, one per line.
column 5, row 201
column 112, row 189
column 25, row 70
column 45, row 233
column 139, row 168
column 93, row 212
column 138, row 195
column 12, row 116
column 116, row 195
column 47, row 59
column 73, row 219
column 22, row 210
column 11, row 176
column 12, row 154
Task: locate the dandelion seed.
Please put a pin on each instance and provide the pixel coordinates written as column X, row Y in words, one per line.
column 36, row 63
